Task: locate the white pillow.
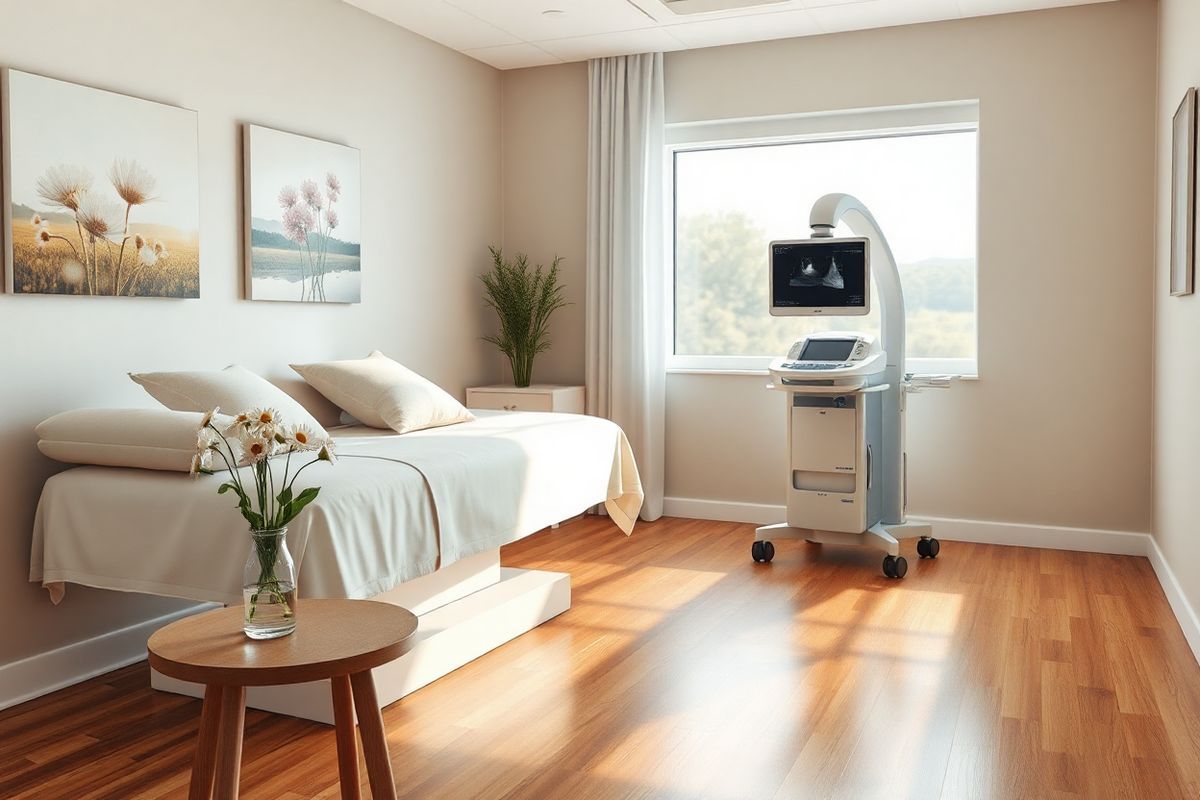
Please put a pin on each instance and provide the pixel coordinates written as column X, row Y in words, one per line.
column 235, row 389
column 381, row 393
column 147, row 438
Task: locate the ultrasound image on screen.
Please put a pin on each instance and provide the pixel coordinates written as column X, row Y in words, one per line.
column 819, row 275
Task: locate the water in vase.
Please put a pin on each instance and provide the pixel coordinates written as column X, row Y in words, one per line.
column 270, row 611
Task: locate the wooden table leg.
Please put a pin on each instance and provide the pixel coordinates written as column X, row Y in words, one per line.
column 370, row 727
column 229, row 742
column 347, row 744
column 205, row 761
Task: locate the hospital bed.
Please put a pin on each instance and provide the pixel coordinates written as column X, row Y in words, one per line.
column 417, row 520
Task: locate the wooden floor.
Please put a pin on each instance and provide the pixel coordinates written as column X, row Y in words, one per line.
column 684, row 670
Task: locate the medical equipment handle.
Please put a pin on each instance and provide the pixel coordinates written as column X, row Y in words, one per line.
column 829, row 391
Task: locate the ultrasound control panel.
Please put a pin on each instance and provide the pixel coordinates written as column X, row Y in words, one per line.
column 830, row 357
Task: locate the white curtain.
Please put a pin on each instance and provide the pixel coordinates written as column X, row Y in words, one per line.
column 626, row 273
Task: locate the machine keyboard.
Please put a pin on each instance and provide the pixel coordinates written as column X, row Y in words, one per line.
column 810, row 365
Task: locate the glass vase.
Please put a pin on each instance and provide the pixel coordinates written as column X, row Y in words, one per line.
column 269, row 586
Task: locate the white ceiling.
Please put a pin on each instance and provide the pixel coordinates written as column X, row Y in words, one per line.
column 519, row 33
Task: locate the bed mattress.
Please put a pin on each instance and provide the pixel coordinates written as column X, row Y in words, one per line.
column 392, row 509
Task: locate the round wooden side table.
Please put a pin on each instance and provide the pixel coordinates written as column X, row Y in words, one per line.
column 338, row 640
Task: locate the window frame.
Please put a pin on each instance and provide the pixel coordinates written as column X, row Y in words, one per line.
column 857, row 124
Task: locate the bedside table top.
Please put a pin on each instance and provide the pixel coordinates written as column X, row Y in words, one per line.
column 536, row 388
column 332, row 637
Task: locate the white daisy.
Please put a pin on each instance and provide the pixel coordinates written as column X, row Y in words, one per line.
column 239, row 424
column 326, row 453
column 207, row 419
column 304, row 438
column 255, row 450
column 264, row 417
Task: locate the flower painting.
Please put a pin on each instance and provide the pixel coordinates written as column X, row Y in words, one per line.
column 303, row 209
column 110, row 207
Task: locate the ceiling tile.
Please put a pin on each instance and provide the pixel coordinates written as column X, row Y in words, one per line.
column 748, row 28
column 579, row 48
column 882, row 14
column 578, row 18
column 439, row 21
column 513, row 56
column 972, row 8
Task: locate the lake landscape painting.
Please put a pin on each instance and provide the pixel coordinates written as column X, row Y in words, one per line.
column 101, row 192
column 303, row 209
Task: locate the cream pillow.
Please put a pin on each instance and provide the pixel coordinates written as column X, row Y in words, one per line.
column 234, row 389
column 146, row 438
column 382, row 393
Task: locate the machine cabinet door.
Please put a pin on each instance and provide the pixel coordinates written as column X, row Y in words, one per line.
column 825, row 439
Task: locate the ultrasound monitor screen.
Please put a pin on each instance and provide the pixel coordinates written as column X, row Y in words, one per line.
column 827, row 275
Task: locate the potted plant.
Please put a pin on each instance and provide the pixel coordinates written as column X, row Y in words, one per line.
column 267, row 502
column 523, row 297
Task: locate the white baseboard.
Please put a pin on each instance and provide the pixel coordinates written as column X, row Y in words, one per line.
column 65, row 666
column 691, row 508
column 1091, row 540
column 1184, row 613
column 1054, row 537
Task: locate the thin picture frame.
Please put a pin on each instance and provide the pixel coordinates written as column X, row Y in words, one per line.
column 293, row 160
column 1183, row 196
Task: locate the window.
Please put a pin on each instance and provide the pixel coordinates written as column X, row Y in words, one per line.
column 735, row 194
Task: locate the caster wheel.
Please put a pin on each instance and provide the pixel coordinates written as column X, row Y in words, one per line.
column 894, row 566
column 762, row 552
column 928, row 548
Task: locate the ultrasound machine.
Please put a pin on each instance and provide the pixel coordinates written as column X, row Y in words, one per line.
column 847, row 466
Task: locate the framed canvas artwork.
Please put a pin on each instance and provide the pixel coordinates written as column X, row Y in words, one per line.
column 303, row 218
column 101, row 192
column 1183, row 196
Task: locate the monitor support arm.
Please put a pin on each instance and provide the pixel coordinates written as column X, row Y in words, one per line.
column 826, row 214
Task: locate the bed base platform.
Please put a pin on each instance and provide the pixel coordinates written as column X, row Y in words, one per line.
column 465, row 610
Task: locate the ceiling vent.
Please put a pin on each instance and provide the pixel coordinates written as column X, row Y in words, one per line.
column 709, row 6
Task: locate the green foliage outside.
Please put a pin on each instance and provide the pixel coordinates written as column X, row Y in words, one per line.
column 721, row 297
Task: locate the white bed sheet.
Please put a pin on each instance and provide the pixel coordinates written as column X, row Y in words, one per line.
column 392, row 509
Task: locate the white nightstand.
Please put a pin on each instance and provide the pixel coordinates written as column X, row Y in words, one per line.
column 538, row 397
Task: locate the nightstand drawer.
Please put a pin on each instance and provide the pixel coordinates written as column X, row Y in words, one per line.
column 510, row 401
column 538, row 397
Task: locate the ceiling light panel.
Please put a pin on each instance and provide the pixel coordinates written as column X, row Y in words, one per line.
column 750, row 28
column 684, row 7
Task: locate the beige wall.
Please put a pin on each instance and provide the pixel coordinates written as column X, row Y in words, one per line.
column 427, row 121
column 544, row 205
column 1177, row 325
column 1066, row 163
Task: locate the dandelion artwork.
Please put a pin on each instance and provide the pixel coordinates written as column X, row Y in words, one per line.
column 110, row 207
column 303, row 209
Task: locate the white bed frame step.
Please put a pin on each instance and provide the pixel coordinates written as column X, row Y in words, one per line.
column 465, row 610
